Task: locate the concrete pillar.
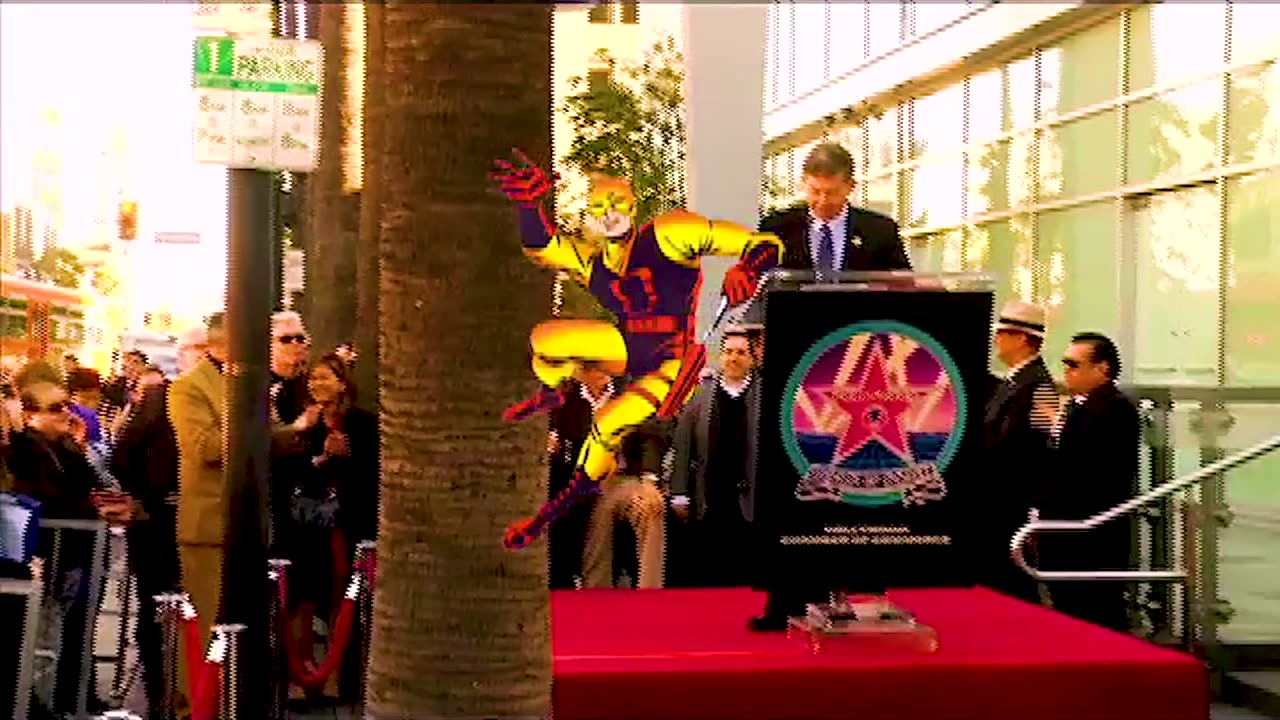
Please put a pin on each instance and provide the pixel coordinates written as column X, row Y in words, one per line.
column 724, row 51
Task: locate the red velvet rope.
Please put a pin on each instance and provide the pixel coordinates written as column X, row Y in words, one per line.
column 205, row 706
column 202, row 674
column 298, row 671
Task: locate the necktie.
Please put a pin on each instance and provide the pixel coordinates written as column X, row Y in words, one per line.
column 826, row 252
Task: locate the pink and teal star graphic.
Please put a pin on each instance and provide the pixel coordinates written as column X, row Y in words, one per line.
column 873, row 397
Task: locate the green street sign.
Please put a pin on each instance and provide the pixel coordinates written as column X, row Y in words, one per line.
column 290, row 67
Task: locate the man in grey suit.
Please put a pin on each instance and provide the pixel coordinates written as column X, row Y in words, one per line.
column 713, row 473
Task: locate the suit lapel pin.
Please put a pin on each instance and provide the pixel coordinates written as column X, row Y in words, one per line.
column 856, row 240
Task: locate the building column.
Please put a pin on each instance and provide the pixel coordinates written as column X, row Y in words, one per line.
column 724, row 51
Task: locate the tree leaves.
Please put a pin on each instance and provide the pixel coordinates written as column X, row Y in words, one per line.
column 632, row 127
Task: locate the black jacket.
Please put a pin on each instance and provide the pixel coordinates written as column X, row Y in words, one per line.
column 1094, row 468
column 145, row 459
column 878, row 245
column 1017, row 448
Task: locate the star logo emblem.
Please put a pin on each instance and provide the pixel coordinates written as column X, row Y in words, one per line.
column 872, row 409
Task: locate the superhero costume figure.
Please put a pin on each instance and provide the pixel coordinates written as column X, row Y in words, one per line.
column 649, row 278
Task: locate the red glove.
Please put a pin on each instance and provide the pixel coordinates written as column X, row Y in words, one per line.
column 740, row 284
column 518, row 535
column 741, row 279
column 523, row 182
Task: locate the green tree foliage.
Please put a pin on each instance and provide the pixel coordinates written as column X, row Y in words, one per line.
column 632, row 127
column 61, row 267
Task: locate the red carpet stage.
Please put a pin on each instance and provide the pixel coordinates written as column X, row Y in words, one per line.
column 650, row 655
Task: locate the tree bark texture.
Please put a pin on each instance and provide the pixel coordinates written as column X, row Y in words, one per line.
column 335, row 212
column 367, row 257
column 460, row 626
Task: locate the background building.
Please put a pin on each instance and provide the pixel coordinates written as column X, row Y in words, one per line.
column 1118, row 163
column 580, row 32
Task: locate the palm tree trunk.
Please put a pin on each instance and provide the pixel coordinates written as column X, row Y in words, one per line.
column 460, row 626
column 367, row 269
column 334, row 204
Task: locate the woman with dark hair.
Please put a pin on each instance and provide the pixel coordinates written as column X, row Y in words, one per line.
column 335, row 504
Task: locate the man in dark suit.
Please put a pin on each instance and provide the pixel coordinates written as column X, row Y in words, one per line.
column 826, row 234
column 1095, row 463
column 1016, row 433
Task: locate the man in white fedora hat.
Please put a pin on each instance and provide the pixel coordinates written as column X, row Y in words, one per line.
column 1017, row 432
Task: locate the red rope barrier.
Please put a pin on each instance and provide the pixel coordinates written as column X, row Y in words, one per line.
column 205, row 704
column 302, row 671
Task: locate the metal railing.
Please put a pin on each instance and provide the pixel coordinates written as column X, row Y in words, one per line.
column 45, row 677
column 1018, row 544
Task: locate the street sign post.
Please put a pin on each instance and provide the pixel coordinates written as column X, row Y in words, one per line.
column 258, row 102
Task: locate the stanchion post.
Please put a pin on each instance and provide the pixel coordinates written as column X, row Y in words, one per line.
column 279, row 650
column 167, row 608
column 366, row 550
column 229, row 697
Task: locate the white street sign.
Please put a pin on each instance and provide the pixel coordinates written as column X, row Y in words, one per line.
column 251, row 18
column 257, row 102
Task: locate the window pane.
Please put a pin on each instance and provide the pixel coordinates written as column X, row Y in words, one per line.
column 1077, row 271
column 1255, row 115
column 986, row 105
column 1019, row 171
column 1083, row 70
column 988, row 178
column 934, row 190
column 1176, row 238
column 810, row 38
column 782, row 82
column 1004, row 249
column 943, row 252
column 882, row 195
column 1174, row 41
column 1255, row 31
column 937, row 122
column 846, row 38
column 1022, row 93
column 884, row 26
column 1174, row 134
column 1253, row 231
column 883, row 140
column 1078, row 158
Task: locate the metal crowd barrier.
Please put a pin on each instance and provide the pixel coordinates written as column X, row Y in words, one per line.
column 38, row 667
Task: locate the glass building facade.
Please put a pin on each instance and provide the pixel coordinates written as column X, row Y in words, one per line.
column 1124, row 174
column 1119, row 164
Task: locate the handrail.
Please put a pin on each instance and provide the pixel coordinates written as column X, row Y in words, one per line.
column 1018, row 544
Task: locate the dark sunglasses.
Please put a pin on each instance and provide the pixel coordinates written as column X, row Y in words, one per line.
column 56, row 407
column 291, row 339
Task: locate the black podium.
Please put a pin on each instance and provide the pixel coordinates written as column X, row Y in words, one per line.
column 870, row 416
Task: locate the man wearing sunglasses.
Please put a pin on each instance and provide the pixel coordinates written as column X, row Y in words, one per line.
column 290, row 352
column 47, row 462
column 1094, row 468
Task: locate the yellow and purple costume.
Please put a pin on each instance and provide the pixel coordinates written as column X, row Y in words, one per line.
column 650, row 280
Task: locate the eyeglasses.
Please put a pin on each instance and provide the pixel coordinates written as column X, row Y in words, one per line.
column 291, row 339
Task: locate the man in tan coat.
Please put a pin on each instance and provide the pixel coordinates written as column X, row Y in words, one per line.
column 196, row 410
